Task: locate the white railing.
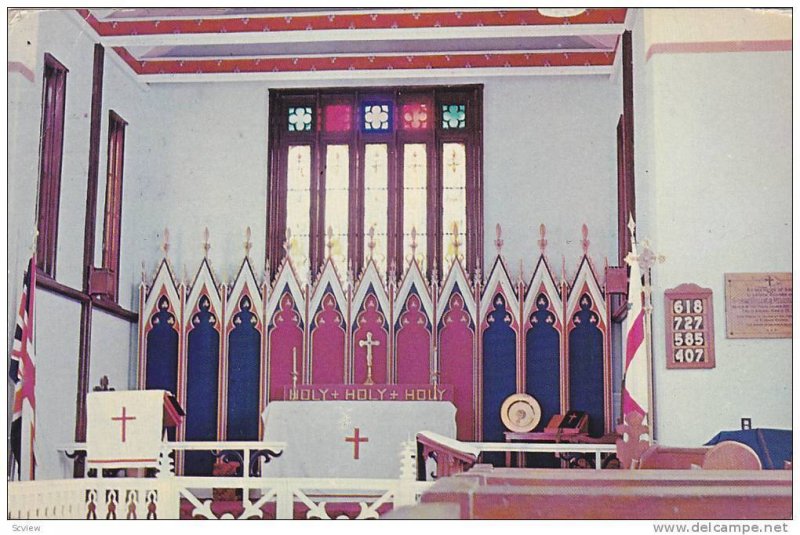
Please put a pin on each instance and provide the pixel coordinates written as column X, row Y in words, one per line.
column 92, row 498
column 157, row 498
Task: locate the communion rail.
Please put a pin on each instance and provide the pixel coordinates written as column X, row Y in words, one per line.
column 452, row 456
column 193, row 497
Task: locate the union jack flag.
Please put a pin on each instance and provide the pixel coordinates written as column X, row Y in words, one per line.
column 22, row 372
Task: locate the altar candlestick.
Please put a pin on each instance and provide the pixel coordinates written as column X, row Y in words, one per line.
column 294, row 372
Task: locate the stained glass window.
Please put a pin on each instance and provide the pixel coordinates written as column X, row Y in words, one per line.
column 454, row 199
column 337, row 188
column 376, row 202
column 338, row 117
column 454, row 116
column 298, row 203
column 375, row 158
column 377, row 117
column 415, row 201
column 415, row 116
column 300, row 119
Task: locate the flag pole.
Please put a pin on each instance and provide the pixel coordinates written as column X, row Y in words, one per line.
column 648, row 344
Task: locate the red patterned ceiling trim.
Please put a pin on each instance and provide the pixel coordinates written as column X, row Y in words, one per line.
column 368, row 63
column 128, row 58
column 358, row 21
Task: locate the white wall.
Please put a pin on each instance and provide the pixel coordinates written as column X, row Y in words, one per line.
column 33, row 33
column 549, row 156
column 113, row 346
column 57, row 339
column 719, row 183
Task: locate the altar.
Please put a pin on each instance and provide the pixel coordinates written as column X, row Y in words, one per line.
column 352, row 437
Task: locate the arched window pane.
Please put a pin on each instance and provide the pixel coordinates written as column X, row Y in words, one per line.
column 376, row 202
column 337, row 186
column 415, row 200
column 298, row 203
column 454, row 199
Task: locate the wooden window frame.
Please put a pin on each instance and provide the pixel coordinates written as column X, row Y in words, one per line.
column 51, row 151
column 112, row 219
column 434, row 137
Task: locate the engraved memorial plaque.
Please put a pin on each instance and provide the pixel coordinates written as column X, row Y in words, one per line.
column 758, row 305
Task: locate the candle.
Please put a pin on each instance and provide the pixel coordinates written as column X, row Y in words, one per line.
column 294, row 361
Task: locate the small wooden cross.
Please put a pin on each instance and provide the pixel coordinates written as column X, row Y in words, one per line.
column 542, row 240
column 585, row 241
column 206, row 242
column 103, row 387
column 248, row 244
column 165, row 243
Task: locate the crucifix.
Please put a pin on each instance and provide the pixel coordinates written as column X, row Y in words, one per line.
column 369, row 343
column 124, row 419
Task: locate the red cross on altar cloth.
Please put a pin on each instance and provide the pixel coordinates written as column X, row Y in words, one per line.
column 350, row 439
column 356, row 440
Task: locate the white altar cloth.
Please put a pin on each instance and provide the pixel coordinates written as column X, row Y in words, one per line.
column 356, row 439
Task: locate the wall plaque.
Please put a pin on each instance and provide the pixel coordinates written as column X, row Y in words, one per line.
column 689, row 311
column 758, row 305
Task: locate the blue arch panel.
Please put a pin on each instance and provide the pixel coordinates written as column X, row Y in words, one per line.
column 499, row 372
column 162, row 351
column 161, row 371
column 542, row 360
column 586, row 366
column 244, row 374
column 202, row 377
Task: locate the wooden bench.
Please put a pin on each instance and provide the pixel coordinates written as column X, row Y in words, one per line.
column 507, row 493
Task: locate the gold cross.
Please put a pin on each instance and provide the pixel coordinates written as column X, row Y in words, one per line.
column 330, row 240
column 456, row 241
column 369, row 343
column 453, row 163
column 287, row 244
column 371, row 242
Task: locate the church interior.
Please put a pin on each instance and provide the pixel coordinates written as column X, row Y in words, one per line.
column 399, row 263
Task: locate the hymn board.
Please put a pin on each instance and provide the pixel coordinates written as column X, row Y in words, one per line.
column 228, row 350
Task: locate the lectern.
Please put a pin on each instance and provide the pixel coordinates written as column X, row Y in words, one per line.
column 126, row 429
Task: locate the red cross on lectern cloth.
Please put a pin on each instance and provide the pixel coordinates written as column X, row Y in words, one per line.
column 356, row 439
column 124, row 419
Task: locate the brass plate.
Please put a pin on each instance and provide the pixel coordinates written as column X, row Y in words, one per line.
column 520, row 413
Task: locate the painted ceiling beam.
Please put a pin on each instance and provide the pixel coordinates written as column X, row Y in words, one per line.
column 396, row 34
column 358, row 76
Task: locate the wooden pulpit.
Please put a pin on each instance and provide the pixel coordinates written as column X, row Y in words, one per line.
column 126, row 429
